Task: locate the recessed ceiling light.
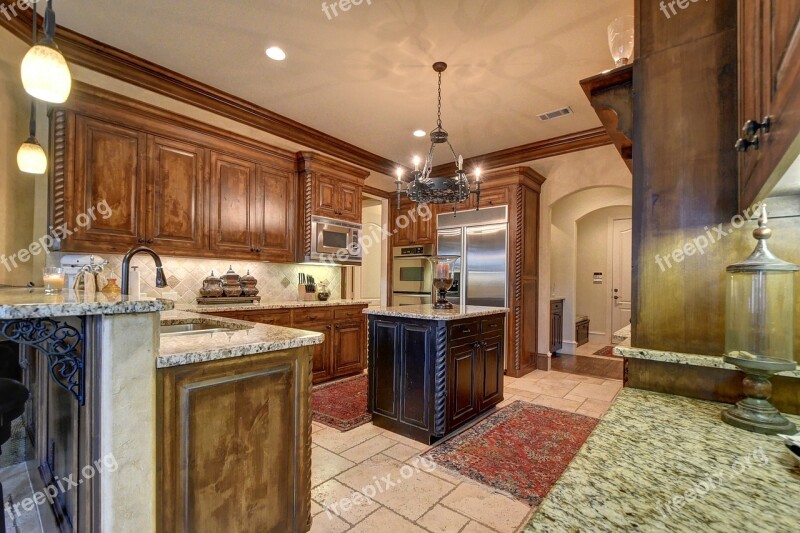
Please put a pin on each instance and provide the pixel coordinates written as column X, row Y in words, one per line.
column 276, row 53
column 419, row 133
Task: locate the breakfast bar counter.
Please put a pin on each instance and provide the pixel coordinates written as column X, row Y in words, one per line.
column 658, row 462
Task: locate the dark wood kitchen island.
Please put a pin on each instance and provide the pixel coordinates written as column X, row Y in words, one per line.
column 433, row 371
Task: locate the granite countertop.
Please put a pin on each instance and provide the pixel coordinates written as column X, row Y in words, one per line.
column 264, row 306
column 427, row 312
column 247, row 338
column 624, row 349
column 34, row 303
column 622, row 335
column 658, row 462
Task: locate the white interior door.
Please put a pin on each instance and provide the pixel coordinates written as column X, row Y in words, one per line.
column 621, row 274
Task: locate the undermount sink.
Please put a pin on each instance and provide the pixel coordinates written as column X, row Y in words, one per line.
column 194, row 328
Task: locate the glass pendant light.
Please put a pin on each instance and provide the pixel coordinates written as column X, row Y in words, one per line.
column 45, row 74
column 30, row 156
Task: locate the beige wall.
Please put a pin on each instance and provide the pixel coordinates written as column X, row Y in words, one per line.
column 593, row 255
column 567, row 174
column 17, row 190
column 371, row 266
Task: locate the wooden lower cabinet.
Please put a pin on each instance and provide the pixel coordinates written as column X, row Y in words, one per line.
column 342, row 354
column 427, row 378
column 556, row 325
column 234, row 444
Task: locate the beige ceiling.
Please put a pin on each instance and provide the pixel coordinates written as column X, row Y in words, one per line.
column 365, row 75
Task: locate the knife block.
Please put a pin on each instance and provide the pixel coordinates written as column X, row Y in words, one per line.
column 304, row 294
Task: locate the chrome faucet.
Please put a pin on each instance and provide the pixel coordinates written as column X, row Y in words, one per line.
column 161, row 281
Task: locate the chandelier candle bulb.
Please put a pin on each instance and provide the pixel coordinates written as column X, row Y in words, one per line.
column 416, row 163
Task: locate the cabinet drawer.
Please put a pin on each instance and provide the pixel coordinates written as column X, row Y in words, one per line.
column 492, row 325
column 304, row 316
column 464, row 329
column 348, row 313
column 274, row 318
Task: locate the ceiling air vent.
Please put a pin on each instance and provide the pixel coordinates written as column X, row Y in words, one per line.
column 550, row 115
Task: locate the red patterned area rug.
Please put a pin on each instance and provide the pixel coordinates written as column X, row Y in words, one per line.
column 607, row 351
column 341, row 404
column 521, row 450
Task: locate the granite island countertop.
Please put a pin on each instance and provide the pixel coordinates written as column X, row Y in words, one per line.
column 427, row 312
column 34, row 303
column 264, row 305
column 244, row 338
column 658, row 462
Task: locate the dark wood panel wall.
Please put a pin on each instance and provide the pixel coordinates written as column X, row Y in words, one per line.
column 685, row 101
column 685, row 186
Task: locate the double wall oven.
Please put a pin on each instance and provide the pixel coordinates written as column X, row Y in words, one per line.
column 411, row 275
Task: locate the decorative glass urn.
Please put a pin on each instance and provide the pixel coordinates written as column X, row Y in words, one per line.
column 759, row 332
column 443, row 278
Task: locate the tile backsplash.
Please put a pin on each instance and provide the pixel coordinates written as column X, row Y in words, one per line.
column 276, row 282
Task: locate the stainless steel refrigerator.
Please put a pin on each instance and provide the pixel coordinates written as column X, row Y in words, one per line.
column 480, row 238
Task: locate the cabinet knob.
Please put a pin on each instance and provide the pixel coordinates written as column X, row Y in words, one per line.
column 328, row 326
column 149, row 241
column 751, row 127
column 742, row 145
column 338, row 326
column 141, row 241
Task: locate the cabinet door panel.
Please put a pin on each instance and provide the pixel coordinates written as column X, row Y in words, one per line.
column 402, row 228
column 349, row 204
column 321, row 366
column 348, row 347
column 462, row 384
column 232, row 204
column 384, row 368
column 325, row 202
column 109, row 168
column 277, row 207
column 176, row 195
column 492, row 375
column 416, row 394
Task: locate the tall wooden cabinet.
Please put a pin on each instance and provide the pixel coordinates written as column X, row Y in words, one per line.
column 769, row 86
column 173, row 184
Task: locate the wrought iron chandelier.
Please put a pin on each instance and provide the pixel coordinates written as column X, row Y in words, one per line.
column 425, row 189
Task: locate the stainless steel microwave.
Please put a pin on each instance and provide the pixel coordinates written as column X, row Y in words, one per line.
column 335, row 241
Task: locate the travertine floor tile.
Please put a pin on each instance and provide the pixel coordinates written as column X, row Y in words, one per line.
column 315, row 508
column 521, row 393
column 475, row 527
column 368, row 448
column 557, row 389
column 595, row 392
column 408, row 442
column 341, row 501
column 325, row 465
column 488, row 508
column 442, row 520
column 401, row 452
column 558, row 403
column 384, row 520
column 401, row 487
column 339, row 441
column 323, row 524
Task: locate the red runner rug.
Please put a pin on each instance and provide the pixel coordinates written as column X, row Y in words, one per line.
column 341, row 404
column 521, row 450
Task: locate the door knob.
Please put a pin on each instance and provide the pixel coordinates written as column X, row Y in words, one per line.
column 742, row 145
column 616, row 297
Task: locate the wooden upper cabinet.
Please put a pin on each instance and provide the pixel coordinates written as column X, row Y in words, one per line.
column 769, row 86
column 233, row 199
column 418, row 230
column 109, row 167
column 349, row 202
column 325, row 196
column 276, row 204
column 176, row 189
